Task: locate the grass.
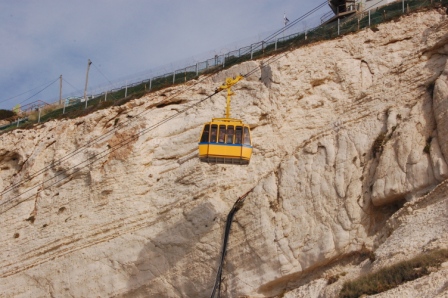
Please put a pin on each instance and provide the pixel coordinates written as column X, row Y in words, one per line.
column 395, row 275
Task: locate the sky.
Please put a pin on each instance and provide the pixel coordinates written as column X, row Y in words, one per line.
column 127, row 41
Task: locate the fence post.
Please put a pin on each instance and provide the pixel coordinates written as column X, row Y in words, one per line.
column 197, row 69
column 126, row 90
column 38, row 118
column 223, row 60
column 276, row 44
column 150, row 83
column 18, row 121
column 63, row 110
column 105, row 96
column 174, row 76
column 251, row 52
column 369, row 17
column 403, row 5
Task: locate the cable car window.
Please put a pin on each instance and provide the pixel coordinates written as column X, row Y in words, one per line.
column 222, row 133
column 238, row 135
column 205, row 133
column 230, row 133
column 213, row 133
column 246, row 136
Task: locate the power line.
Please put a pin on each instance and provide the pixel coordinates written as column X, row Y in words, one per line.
column 98, row 156
column 71, row 85
column 105, row 78
column 280, row 31
column 8, row 99
column 102, row 154
column 291, row 24
column 79, row 150
column 103, row 136
column 101, row 73
column 39, row 91
column 125, row 142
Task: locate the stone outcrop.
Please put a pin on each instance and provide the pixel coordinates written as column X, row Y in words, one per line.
column 345, row 132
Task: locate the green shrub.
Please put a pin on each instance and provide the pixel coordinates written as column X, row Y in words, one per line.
column 395, row 275
column 378, row 144
column 427, row 148
column 5, row 114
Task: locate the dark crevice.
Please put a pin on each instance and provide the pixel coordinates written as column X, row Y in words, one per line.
column 173, row 102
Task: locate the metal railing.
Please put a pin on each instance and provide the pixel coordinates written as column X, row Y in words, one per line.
column 365, row 18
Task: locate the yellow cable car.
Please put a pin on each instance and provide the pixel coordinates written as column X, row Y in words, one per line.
column 226, row 140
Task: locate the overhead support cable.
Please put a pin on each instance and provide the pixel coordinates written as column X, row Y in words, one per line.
column 76, row 89
column 101, row 73
column 48, row 84
column 92, row 159
column 78, row 167
column 96, row 140
column 105, row 78
column 39, row 91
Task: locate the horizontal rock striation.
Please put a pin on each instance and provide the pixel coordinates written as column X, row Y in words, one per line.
column 345, row 132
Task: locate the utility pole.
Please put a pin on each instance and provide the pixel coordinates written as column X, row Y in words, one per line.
column 87, row 80
column 126, row 89
column 60, row 90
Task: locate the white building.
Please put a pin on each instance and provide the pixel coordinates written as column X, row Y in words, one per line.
column 345, row 8
column 369, row 4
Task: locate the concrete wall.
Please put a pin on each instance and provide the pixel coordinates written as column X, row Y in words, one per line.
column 369, row 4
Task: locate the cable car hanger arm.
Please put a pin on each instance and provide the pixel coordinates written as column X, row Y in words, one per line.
column 229, row 83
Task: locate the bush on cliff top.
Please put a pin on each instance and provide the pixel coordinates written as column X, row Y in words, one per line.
column 4, row 114
column 395, row 275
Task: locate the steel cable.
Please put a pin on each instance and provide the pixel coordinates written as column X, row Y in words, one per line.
column 82, row 148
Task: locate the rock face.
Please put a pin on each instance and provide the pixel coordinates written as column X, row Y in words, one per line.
column 345, row 132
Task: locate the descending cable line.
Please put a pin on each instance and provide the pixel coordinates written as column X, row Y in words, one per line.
column 128, row 122
column 39, row 91
column 133, row 137
column 273, row 35
column 58, row 162
column 94, row 141
column 264, row 64
column 291, row 24
column 78, row 90
column 97, row 156
column 25, row 92
column 101, row 73
column 106, row 79
column 271, row 59
column 144, row 131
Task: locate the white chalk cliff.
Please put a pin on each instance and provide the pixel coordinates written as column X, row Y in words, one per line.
column 350, row 158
